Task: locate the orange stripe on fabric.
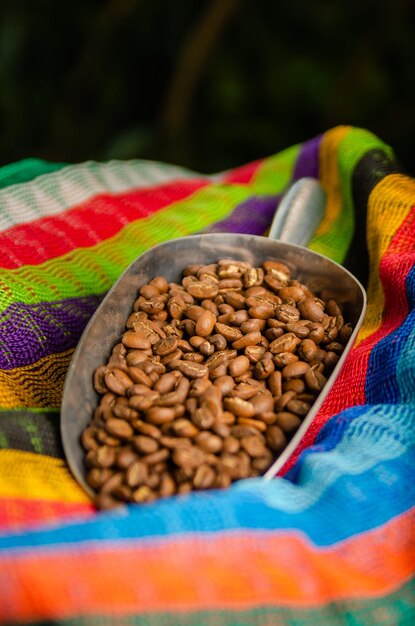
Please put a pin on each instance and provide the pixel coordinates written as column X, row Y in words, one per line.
column 229, row 571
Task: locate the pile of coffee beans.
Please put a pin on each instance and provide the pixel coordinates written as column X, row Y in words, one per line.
column 210, row 380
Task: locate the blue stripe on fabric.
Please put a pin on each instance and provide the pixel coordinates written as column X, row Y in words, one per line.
column 391, row 368
column 360, row 484
column 405, row 371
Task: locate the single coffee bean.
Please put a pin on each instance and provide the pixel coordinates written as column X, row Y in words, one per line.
column 263, row 369
column 294, row 384
column 298, row 407
column 191, row 370
column 144, row 444
column 239, row 365
column 311, row 309
column 276, row 438
column 125, row 456
column 184, row 428
column 255, row 423
column 295, row 370
column 282, row 401
column 117, row 381
column 287, row 313
column 208, row 442
column 275, row 383
column 204, row 477
column 119, row 428
column 160, row 414
column 97, row 476
column 253, row 445
column 225, row 384
column 188, row 457
column 105, row 456
column 205, row 324
column 239, row 407
column 137, row 474
column 166, row 346
column 250, row 339
column 289, row 422
column 315, row 380
column 285, row 343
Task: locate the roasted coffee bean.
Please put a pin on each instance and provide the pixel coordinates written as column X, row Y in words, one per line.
column 203, row 418
column 294, row 384
column 191, row 370
column 225, row 384
column 314, row 380
column 295, row 370
column 263, row 369
column 250, row 339
column 205, row 324
column 118, row 428
column 284, row 358
column 117, row 381
column 253, row 445
column 289, row 422
column 307, row 350
column 275, row 383
column 160, row 415
column 144, row 444
column 311, row 309
column 239, row 365
column 282, row 401
column 239, row 407
column 209, row 442
column 298, row 407
column 255, row 423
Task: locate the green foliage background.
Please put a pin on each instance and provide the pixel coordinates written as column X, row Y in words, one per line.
column 208, row 84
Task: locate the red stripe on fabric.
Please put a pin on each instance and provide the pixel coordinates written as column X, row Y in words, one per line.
column 17, row 513
column 87, row 224
column 243, row 174
column 349, row 389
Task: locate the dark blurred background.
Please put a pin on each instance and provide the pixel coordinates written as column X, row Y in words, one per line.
column 209, row 84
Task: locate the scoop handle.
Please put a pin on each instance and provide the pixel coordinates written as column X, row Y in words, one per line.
column 299, row 213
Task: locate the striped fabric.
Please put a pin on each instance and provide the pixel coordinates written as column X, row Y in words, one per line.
column 329, row 541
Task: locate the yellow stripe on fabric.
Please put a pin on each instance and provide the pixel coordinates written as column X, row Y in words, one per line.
column 37, row 385
column 341, row 150
column 93, row 270
column 37, row 477
column 388, row 206
column 329, row 176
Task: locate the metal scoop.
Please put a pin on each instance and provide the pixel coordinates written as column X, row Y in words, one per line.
column 298, row 215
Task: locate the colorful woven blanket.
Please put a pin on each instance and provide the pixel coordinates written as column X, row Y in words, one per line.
column 329, row 541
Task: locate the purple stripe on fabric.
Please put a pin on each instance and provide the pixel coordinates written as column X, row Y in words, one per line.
column 308, row 161
column 32, row 331
column 252, row 217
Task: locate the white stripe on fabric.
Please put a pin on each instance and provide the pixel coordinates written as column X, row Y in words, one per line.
column 51, row 193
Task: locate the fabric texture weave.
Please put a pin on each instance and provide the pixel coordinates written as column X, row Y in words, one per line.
column 331, row 540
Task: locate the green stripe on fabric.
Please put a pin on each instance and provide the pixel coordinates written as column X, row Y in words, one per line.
column 26, row 170
column 396, row 609
column 352, row 148
column 276, row 171
column 93, row 270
